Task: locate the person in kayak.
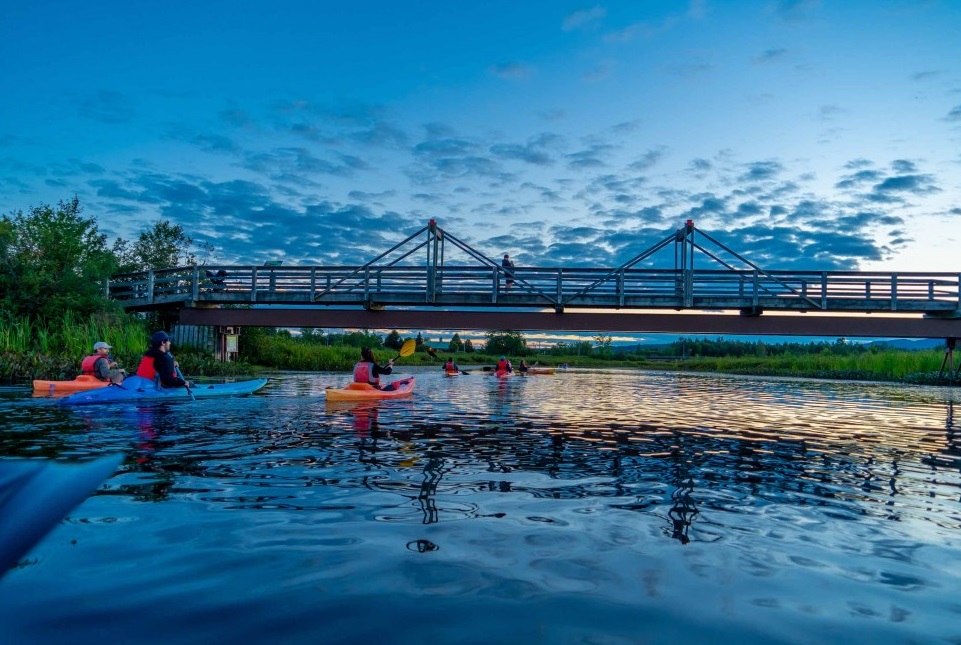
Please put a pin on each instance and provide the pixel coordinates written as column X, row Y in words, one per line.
column 451, row 366
column 368, row 371
column 159, row 361
column 522, row 368
column 504, row 365
column 100, row 365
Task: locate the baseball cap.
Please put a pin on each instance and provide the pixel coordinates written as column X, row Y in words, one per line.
column 101, row 345
column 159, row 337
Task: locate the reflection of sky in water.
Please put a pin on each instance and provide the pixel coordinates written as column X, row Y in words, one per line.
column 764, row 503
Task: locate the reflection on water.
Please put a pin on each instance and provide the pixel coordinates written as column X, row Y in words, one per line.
column 768, row 505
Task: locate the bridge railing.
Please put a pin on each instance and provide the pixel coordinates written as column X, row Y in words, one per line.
column 540, row 287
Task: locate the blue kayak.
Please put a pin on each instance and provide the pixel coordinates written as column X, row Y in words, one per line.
column 137, row 388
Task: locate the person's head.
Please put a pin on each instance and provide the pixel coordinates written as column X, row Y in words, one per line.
column 159, row 340
column 503, row 358
column 101, row 348
column 367, row 354
column 507, row 257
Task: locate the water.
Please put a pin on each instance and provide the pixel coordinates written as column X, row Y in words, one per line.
column 588, row 507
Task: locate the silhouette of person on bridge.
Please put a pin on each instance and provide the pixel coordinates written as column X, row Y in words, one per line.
column 509, row 280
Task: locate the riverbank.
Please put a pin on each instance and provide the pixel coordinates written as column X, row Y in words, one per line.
column 917, row 367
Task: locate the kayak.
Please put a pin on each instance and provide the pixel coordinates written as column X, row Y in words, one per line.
column 452, row 372
column 36, row 494
column 540, row 370
column 503, row 374
column 137, row 388
column 366, row 391
column 81, row 383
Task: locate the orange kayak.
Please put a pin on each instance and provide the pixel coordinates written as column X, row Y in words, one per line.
column 451, row 372
column 80, row 384
column 366, row 391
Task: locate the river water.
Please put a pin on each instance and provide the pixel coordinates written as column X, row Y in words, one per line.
column 593, row 506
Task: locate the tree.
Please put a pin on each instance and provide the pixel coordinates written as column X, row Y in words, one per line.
column 506, row 342
column 393, row 340
column 468, row 346
column 456, row 344
column 604, row 346
column 161, row 246
column 419, row 344
column 53, row 261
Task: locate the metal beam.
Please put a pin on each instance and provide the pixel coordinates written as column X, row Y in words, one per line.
column 859, row 325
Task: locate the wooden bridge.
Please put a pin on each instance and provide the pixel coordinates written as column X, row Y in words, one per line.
column 412, row 286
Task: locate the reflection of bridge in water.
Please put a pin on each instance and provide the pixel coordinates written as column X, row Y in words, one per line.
column 432, row 280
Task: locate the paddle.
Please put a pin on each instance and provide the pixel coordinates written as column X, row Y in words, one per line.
column 407, row 348
column 181, row 375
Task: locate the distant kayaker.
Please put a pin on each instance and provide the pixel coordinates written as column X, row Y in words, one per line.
column 504, row 365
column 368, row 371
column 451, row 366
column 159, row 360
column 522, row 367
column 101, row 366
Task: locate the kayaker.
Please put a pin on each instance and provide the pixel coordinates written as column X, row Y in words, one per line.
column 159, row 360
column 100, row 365
column 504, row 365
column 451, row 366
column 522, row 367
column 368, row 371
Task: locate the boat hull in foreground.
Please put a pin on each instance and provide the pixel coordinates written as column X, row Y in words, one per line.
column 366, row 392
column 136, row 388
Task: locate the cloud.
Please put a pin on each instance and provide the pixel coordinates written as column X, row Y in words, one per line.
column 512, row 71
column 584, row 19
column 954, row 114
column 770, row 56
column 106, row 107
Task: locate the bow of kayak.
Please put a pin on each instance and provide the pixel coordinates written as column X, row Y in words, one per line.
column 82, row 383
column 365, row 391
column 136, row 388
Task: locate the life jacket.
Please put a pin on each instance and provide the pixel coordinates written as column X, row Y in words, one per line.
column 364, row 374
column 87, row 366
column 146, row 368
column 450, row 367
column 503, row 366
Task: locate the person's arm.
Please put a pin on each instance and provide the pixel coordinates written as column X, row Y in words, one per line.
column 168, row 371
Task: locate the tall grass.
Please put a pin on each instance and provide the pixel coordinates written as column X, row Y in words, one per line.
column 54, row 349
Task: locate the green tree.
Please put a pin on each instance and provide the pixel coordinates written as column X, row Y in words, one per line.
column 604, row 346
column 53, row 261
column 468, row 346
column 456, row 344
column 393, row 340
column 161, row 246
column 506, row 342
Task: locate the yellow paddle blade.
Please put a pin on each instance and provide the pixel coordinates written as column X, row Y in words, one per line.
column 408, row 347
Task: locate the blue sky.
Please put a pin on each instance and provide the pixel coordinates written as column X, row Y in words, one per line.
column 805, row 134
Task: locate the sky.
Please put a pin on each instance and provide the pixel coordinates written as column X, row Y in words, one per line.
column 804, row 134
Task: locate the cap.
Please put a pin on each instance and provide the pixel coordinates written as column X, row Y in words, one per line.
column 503, row 358
column 159, row 337
column 101, row 345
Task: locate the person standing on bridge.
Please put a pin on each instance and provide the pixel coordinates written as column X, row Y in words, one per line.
column 158, row 361
column 509, row 275
column 368, row 371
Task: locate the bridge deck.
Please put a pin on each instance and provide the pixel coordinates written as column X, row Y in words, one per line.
column 373, row 287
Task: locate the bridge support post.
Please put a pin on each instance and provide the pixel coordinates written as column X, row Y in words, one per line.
column 948, row 361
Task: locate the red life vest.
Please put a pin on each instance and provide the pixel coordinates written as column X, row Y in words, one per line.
column 450, row 367
column 364, row 374
column 146, row 368
column 87, row 366
column 503, row 366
